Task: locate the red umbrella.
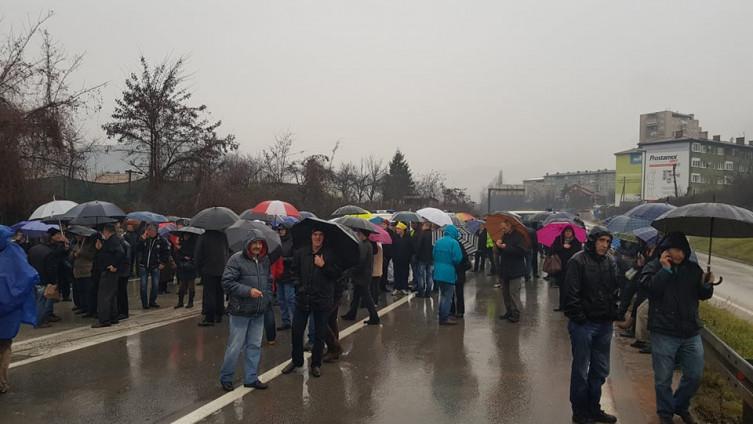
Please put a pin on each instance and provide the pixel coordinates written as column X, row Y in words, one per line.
column 276, row 208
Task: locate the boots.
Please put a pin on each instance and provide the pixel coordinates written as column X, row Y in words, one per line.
column 191, row 294
column 181, row 294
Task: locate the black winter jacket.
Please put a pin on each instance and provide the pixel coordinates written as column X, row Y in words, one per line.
column 424, row 247
column 315, row 287
column 402, row 249
column 512, row 257
column 287, row 260
column 674, row 296
column 212, row 253
column 152, row 252
column 361, row 273
column 47, row 258
column 592, row 288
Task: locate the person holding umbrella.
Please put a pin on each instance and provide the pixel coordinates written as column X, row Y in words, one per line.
column 110, row 257
column 247, row 280
column 565, row 246
column 676, row 284
column 183, row 255
column 316, row 271
column 512, row 254
column 361, row 277
column 212, row 252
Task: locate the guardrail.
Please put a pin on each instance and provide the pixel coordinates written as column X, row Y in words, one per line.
column 734, row 368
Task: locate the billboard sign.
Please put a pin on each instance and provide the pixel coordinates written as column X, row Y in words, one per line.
column 664, row 166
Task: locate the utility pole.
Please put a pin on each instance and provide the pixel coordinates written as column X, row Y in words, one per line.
column 674, row 177
column 622, row 196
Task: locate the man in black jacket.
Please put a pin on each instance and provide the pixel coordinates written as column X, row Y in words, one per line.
column 110, row 257
column 316, row 274
column 388, row 253
column 591, row 304
column 212, row 253
column 482, row 251
column 424, row 260
column 153, row 253
column 361, row 280
column 47, row 258
column 286, row 281
column 512, row 252
column 675, row 284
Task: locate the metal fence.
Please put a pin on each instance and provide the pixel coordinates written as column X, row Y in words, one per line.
column 737, row 371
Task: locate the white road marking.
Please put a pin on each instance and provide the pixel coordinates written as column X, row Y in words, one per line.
column 237, row 394
column 726, row 302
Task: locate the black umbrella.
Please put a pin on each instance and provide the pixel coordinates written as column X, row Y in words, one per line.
column 306, row 214
column 92, row 213
column 238, row 233
column 189, row 230
column 356, row 223
column 707, row 220
column 406, row 217
column 540, row 217
column 215, row 218
column 349, row 210
column 564, row 216
column 250, row 215
column 80, row 230
column 336, row 236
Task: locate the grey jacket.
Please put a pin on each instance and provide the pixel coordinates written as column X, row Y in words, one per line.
column 242, row 273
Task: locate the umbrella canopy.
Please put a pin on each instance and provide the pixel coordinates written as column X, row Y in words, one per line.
column 189, row 230
column 349, row 210
column 548, row 233
column 238, row 233
column 649, row 211
column 649, row 235
column 455, row 220
column 250, row 215
column 622, row 224
column 356, row 223
column 284, row 221
column 474, row 226
column 80, row 230
column 306, row 214
column 50, row 209
column 380, row 236
column 540, row 217
column 564, row 216
column 465, row 216
column 165, row 228
column 92, row 213
column 34, row 229
column 276, row 208
column 435, row 216
column 406, row 217
column 336, row 236
column 215, row 218
column 494, row 221
column 146, row 216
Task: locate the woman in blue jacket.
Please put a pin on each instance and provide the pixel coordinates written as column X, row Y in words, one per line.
column 447, row 255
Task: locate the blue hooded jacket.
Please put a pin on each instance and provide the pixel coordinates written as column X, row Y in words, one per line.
column 447, row 254
column 18, row 282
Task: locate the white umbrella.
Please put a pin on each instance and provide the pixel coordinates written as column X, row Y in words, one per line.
column 50, row 209
column 435, row 216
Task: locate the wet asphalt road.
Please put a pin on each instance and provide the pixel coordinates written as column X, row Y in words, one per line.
column 737, row 287
column 407, row 370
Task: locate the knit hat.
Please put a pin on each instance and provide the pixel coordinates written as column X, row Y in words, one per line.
column 401, row 226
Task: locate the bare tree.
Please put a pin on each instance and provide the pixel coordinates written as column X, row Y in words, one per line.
column 374, row 176
column 430, row 184
column 278, row 159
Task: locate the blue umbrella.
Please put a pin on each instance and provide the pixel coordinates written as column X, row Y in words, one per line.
column 649, row 235
column 306, row 214
column 622, row 224
column 649, row 211
column 36, row 228
column 146, row 216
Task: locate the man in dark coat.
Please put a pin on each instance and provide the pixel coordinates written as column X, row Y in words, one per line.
column 110, row 257
column 361, row 277
column 512, row 252
column 286, row 281
column 482, row 251
column 153, row 254
column 565, row 246
column 676, row 284
column 185, row 268
column 316, row 273
column 212, row 253
column 402, row 251
column 591, row 305
column 47, row 258
column 424, row 260
column 387, row 252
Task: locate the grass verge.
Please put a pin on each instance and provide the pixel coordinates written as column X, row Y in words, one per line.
column 716, row 401
column 737, row 249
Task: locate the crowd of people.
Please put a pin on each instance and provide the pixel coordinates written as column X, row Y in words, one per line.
column 656, row 283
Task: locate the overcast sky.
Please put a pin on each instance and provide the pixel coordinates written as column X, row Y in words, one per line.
column 463, row 87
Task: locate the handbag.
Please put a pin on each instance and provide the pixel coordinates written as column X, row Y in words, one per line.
column 552, row 264
column 51, row 292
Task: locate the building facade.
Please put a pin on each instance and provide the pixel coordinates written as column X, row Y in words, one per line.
column 667, row 125
column 628, row 176
column 600, row 182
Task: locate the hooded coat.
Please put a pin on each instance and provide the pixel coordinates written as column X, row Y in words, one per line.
column 244, row 272
column 316, row 287
column 447, row 255
column 592, row 285
column 558, row 248
column 674, row 293
column 17, row 287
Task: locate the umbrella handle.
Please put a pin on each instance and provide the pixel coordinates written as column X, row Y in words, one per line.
column 714, row 283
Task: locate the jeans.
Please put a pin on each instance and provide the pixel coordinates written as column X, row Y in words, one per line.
column 590, row 345
column 446, row 292
column 44, row 305
column 245, row 334
column 144, row 274
column 666, row 351
column 286, row 298
column 424, row 281
column 300, row 318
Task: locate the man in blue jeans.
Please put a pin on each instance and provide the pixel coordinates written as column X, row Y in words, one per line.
column 248, row 283
column 153, row 253
column 675, row 284
column 447, row 255
column 591, row 305
column 286, row 282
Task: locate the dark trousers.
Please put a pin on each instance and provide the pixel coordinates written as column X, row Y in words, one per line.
column 480, row 262
column 213, row 303
column 64, row 285
column 107, row 307
column 362, row 293
column 92, row 294
column 270, row 326
column 333, row 331
column 123, row 296
column 590, row 346
column 458, row 304
column 375, row 289
column 81, row 287
column 401, row 275
column 300, row 319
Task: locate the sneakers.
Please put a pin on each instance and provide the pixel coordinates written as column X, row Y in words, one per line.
column 406, row 292
column 497, row 285
column 603, row 417
column 258, row 385
column 396, row 292
column 330, row 357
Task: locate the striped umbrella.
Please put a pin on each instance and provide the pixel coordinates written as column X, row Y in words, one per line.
column 276, row 208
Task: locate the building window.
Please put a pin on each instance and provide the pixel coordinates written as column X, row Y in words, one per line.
column 719, row 166
column 727, row 179
column 741, row 168
column 695, row 162
column 696, row 147
column 720, row 181
column 720, row 151
column 729, row 166
column 695, row 178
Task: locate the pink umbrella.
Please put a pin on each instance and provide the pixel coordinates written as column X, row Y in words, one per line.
column 551, row 231
column 380, row 235
column 276, row 208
